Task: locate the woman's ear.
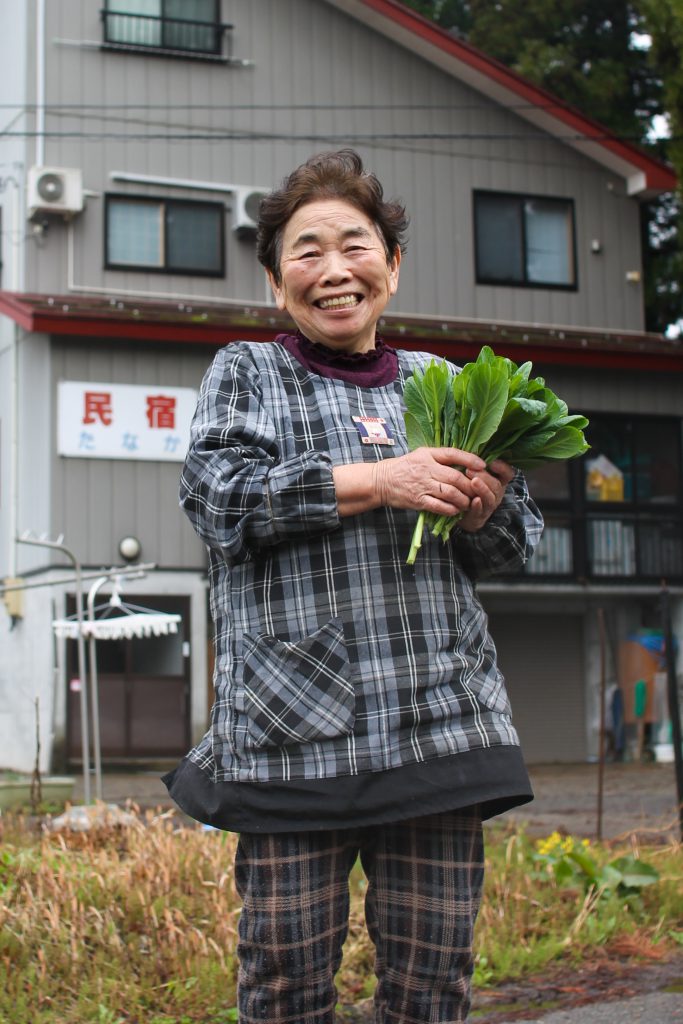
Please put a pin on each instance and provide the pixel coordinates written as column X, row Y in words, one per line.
column 393, row 271
column 277, row 290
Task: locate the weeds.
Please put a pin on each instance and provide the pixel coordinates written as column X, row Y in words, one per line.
column 541, row 903
column 139, row 925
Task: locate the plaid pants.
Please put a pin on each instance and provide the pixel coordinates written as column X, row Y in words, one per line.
column 424, row 887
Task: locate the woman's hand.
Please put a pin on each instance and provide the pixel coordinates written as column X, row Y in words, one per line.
column 439, row 480
column 489, row 487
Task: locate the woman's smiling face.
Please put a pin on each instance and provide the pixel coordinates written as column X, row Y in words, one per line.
column 335, row 281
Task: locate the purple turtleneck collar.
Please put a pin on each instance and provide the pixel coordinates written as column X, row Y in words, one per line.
column 372, row 369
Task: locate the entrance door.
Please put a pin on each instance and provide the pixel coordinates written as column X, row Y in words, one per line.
column 143, row 689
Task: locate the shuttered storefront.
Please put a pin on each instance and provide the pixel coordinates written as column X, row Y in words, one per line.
column 541, row 657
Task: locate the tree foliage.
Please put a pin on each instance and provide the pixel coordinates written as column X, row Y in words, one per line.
column 587, row 52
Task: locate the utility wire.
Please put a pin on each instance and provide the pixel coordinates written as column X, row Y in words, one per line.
column 220, row 135
column 279, row 106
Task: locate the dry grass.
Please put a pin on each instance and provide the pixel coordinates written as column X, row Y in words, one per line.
column 139, row 924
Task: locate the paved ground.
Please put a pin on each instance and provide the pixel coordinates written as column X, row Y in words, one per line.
column 653, row 1008
column 636, row 797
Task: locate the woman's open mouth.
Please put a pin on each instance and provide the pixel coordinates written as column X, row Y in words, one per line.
column 339, row 302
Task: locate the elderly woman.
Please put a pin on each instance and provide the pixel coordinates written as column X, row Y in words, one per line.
column 359, row 710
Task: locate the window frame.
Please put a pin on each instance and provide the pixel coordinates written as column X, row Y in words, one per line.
column 166, row 203
column 519, row 198
column 219, row 28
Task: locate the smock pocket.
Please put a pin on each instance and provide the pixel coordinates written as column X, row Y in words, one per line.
column 298, row 692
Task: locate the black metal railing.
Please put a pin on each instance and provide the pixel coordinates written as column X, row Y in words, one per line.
column 636, row 547
column 153, row 32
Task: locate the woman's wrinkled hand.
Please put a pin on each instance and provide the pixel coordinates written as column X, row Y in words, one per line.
column 441, row 480
column 488, row 487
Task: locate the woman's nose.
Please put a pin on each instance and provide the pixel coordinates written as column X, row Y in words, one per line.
column 335, row 268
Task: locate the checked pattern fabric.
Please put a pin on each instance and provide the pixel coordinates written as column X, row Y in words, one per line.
column 424, row 876
column 333, row 657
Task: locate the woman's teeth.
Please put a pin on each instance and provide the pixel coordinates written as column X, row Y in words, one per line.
column 341, row 300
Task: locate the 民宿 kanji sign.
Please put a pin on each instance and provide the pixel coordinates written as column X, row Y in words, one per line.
column 124, row 421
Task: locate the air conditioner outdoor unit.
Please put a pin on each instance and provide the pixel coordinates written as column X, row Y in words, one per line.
column 55, row 190
column 245, row 211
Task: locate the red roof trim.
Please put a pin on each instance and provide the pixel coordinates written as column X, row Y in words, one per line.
column 660, row 176
column 166, row 322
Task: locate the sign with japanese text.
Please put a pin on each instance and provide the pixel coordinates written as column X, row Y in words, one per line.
column 124, row 421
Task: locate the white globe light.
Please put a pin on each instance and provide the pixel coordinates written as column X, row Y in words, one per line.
column 129, row 548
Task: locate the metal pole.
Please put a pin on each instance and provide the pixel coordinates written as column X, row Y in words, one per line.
column 85, row 736
column 674, row 709
column 601, row 738
column 94, row 689
column 130, row 572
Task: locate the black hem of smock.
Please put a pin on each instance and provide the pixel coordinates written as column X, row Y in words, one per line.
column 493, row 777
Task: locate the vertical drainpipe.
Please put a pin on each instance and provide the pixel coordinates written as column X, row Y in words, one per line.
column 40, row 82
column 18, row 280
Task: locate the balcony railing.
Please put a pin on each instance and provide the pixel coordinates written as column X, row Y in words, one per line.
column 633, row 548
column 151, row 32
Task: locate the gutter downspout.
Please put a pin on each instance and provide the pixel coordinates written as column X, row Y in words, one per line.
column 40, row 82
column 17, row 285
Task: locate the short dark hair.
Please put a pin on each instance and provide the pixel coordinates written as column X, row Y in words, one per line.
column 332, row 175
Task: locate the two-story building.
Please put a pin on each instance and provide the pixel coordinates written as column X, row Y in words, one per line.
column 137, row 138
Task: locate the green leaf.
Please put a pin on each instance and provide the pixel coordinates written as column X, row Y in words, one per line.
column 487, row 394
column 564, row 872
column 418, row 431
column 487, row 357
column 459, row 385
column 434, row 386
column 419, row 410
column 449, row 416
column 566, row 443
column 519, row 418
column 635, row 874
column 519, row 380
column 586, row 863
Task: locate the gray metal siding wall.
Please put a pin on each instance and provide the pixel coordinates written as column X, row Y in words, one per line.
column 96, row 502
column 320, row 79
column 587, row 390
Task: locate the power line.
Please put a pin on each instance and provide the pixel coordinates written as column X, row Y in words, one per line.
column 223, row 135
column 30, row 107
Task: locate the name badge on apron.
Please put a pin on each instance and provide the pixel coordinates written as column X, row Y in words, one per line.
column 373, row 430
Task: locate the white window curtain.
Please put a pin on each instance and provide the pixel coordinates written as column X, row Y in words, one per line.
column 135, row 233
column 548, row 242
column 124, row 27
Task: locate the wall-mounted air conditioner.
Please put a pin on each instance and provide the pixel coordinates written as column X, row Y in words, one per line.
column 55, row 190
column 245, row 211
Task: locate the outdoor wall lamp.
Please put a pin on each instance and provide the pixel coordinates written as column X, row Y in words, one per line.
column 129, row 548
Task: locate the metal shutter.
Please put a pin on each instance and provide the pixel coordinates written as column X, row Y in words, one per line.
column 542, row 659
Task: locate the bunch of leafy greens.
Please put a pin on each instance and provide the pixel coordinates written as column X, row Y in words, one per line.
column 492, row 408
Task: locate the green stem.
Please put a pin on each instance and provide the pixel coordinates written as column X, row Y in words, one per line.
column 444, row 524
column 439, row 525
column 416, row 543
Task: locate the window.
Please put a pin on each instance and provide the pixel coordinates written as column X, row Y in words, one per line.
column 191, row 26
column 524, row 240
column 170, row 235
column 617, row 512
